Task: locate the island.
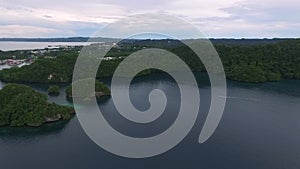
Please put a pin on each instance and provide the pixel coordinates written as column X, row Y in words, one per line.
column 53, row 90
column 22, row 106
column 101, row 90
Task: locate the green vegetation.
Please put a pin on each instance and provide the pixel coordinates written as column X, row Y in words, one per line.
column 56, row 67
column 53, row 90
column 18, row 54
column 85, row 92
column 257, row 62
column 21, row 105
column 262, row 63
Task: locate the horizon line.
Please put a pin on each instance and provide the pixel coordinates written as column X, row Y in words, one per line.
column 150, row 38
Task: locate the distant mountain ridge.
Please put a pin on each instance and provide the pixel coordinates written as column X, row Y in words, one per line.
column 69, row 39
column 223, row 41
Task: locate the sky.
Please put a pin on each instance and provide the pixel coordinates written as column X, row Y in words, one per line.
column 214, row 18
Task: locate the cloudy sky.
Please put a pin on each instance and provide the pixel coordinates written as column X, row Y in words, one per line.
column 215, row 18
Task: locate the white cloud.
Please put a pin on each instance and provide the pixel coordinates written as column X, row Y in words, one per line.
column 26, row 31
column 236, row 18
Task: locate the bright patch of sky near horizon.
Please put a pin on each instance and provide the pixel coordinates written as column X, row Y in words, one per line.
column 215, row 18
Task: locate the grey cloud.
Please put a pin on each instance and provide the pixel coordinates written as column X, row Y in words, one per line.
column 47, row 16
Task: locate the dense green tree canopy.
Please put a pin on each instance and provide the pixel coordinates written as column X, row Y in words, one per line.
column 53, row 90
column 258, row 62
column 84, row 92
column 21, row 105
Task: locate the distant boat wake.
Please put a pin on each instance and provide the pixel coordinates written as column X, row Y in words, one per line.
column 238, row 98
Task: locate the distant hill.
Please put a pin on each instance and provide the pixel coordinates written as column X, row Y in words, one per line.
column 248, row 41
column 70, row 39
column 101, row 39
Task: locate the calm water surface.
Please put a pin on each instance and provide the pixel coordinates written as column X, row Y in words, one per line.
column 260, row 129
column 12, row 45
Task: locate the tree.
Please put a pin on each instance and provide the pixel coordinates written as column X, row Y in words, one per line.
column 53, row 90
column 21, row 105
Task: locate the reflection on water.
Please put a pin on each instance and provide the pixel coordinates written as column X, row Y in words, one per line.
column 29, row 133
column 286, row 87
column 252, row 134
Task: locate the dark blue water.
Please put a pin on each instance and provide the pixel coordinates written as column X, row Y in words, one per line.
column 260, row 129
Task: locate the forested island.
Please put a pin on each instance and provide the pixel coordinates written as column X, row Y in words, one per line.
column 255, row 62
column 53, row 90
column 21, row 105
column 100, row 91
